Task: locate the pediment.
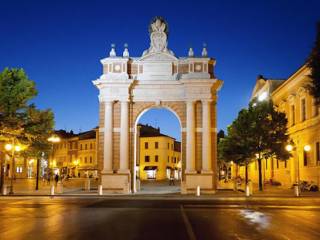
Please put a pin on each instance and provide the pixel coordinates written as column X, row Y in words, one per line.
column 158, row 56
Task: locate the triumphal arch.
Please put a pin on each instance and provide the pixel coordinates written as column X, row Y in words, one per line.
column 130, row 85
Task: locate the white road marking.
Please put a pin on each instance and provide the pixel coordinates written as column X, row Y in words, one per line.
column 187, row 224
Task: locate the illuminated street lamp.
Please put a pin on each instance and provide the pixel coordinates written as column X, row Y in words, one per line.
column 53, row 139
column 12, row 148
column 291, row 148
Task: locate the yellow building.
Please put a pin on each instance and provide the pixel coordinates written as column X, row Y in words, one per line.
column 292, row 97
column 159, row 155
column 76, row 154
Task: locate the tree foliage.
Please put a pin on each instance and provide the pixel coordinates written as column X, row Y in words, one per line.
column 314, row 64
column 258, row 132
column 21, row 121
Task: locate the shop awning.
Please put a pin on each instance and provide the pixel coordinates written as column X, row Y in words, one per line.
column 146, row 168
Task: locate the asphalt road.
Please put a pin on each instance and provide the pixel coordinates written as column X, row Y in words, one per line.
column 108, row 218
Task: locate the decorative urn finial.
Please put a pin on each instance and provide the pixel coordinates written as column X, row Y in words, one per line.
column 113, row 50
column 204, row 52
column 125, row 51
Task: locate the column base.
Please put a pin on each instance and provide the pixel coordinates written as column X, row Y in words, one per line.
column 116, row 182
column 192, row 181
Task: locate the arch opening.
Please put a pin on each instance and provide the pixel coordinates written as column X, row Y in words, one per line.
column 157, row 166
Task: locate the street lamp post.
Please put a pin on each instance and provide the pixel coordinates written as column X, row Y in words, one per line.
column 12, row 148
column 53, row 139
column 291, row 148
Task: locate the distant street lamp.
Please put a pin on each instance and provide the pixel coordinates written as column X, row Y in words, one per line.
column 53, row 139
column 12, row 148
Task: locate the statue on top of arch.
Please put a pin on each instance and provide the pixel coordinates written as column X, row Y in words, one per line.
column 159, row 32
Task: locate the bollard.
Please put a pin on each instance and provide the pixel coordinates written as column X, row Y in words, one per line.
column 198, row 191
column 100, row 190
column 4, row 189
column 250, row 188
column 52, row 190
column 87, row 185
column 59, row 187
column 247, row 190
column 296, row 190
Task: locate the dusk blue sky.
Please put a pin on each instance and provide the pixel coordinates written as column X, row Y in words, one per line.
column 60, row 44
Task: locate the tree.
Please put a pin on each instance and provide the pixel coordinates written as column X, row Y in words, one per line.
column 259, row 132
column 314, row 64
column 39, row 124
column 20, row 121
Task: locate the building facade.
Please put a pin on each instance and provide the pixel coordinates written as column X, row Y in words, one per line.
column 159, row 155
column 76, row 154
column 187, row 86
column 292, row 97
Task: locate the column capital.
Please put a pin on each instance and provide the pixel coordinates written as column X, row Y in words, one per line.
column 206, row 101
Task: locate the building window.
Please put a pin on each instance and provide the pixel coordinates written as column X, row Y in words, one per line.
column 285, row 163
column 90, row 159
column 305, row 158
column 156, row 158
column 171, row 146
column 146, row 145
column 80, row 146
column 168, row 145
column 318, row 152
column 85, row 159
column 277, row 163
column 293, row 115
column 266, row 163
column 303, row 110
column 156, row 145
column 147, row 159
column 85, row 147
column 172, row 159
column 90, row 145
column 19, row 169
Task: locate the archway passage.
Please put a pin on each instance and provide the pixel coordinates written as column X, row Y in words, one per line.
column 130, row 86
column 158, row 161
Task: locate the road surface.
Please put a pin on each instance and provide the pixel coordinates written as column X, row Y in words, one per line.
column 131, row 218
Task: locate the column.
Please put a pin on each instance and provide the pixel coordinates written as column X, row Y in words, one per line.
column 124, row 137
column 107, row 146
column 190, row 142
column 206, row 136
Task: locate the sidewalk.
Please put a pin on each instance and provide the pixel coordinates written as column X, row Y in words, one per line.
column 160, row 190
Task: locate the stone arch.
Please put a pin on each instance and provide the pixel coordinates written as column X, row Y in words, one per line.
column 187, row 86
